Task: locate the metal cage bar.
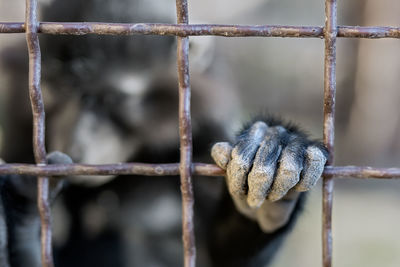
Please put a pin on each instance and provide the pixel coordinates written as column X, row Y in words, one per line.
column 186, row 168
column 185, row 133
column 330, row 34
column 39, row 150
column 169, row 169
column 75, row 28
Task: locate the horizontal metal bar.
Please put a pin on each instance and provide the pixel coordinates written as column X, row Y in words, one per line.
column 173, row 169
column 83, row 28
column 12, row 27
column 107, row 169
column 361, row 172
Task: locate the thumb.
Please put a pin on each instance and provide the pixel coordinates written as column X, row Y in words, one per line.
column 221, row 153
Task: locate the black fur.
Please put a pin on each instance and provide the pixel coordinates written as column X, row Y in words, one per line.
column 291, row 127
column 236, row 241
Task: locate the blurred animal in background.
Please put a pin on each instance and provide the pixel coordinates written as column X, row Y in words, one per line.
column 115, row 99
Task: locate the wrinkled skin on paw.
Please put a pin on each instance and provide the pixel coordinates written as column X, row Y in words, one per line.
column 267, row 169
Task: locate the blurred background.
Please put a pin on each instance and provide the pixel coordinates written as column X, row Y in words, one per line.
column 285, row 76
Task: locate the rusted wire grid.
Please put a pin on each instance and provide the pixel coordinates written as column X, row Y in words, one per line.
column 39, row 150
column 330, row 34
column 82, row 28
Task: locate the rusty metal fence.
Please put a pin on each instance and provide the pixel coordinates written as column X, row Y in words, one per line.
column 186, row 168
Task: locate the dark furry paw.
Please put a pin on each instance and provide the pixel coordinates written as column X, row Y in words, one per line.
column 269, row 160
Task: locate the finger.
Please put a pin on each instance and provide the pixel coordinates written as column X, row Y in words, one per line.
column 221, row 153
column 242, row 157
column 262, row 173
column 57, row 157
column 242, row 206
column 56, row 185
column 290, row 167
column 313, row 167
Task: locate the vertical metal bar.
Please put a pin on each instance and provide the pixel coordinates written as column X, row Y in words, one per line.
column 330, row 34
column 38, row 128
column 185, row 132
